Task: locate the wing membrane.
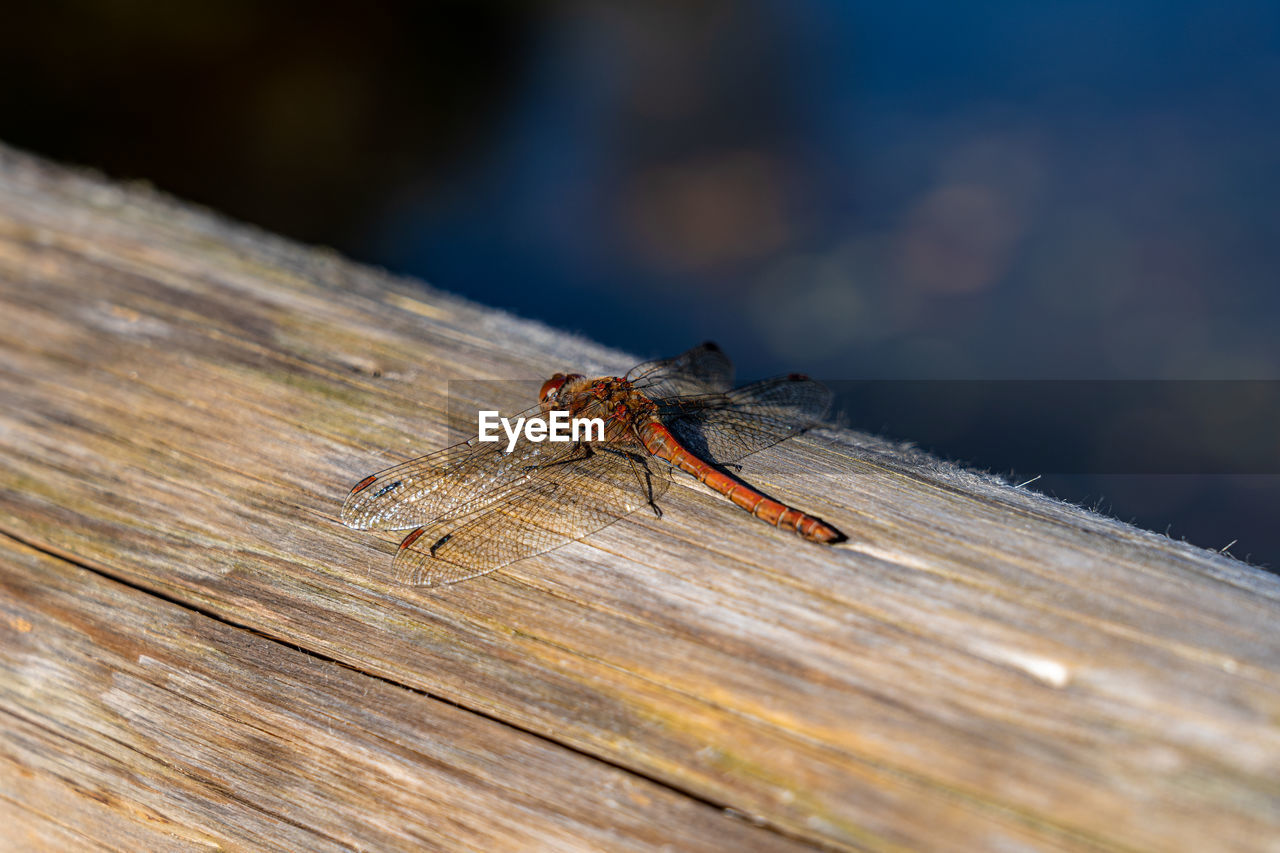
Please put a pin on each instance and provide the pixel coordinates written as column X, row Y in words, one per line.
column 726, row 427
column 540, row 514
column 449, row 482
column 705, row 369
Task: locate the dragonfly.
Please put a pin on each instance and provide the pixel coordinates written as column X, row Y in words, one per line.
column 476, row 506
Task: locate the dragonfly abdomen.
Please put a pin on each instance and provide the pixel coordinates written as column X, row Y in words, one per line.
column 659, row 441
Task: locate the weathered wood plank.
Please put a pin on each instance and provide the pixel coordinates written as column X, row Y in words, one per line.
column 185, row 404
column 243, row 740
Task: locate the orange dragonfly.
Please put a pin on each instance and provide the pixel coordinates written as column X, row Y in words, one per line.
column 476, row 507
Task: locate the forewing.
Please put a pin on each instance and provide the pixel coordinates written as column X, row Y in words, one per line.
column 705, row 369
column 723, row 428
column 561, row 503
column 447, row 483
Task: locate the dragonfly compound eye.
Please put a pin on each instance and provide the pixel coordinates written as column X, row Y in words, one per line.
column 551, row 386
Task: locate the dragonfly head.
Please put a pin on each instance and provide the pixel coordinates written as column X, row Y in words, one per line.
column 553, row 385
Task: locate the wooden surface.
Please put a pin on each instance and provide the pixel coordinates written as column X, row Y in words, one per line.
column 196, row 654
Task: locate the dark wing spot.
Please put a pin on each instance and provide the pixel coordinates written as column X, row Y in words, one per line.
column 443, row 539
column 387, row 488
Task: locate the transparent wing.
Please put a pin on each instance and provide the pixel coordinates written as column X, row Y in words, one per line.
column 724, row 428
column 449, row 482
column 563, row 502
column 705, row 369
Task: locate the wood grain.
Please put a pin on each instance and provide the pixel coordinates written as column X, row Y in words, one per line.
column 236, row 737
column 183, row 406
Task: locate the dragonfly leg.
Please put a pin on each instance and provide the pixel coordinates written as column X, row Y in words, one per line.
column 645, row 476
column 640, row 468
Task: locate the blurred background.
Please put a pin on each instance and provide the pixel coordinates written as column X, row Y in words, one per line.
column 860, row 191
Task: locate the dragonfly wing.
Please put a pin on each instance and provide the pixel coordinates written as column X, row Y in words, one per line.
column 447, row 483
column 705, row 369
column 563, row 502
column 724, row 428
